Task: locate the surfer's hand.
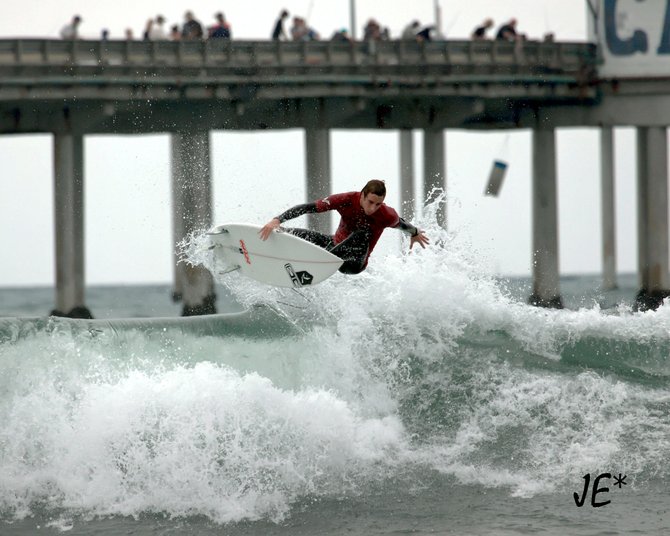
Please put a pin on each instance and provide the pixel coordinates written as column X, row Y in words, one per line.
column 270, row 226
column 420, row 239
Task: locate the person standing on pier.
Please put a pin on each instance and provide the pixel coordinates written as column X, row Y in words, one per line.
column 507, row 32
column 71, row 30
column 479, row 33
column 192, row 30
column 278, row 33
column 157, row 31
column 221, row 30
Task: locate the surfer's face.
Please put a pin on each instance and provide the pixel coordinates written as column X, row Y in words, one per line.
column 371, row 203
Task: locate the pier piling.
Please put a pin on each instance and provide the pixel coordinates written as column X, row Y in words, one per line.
column 608, row 208
column 317, row 159
column 434, row 174
column 406, row 173
column 652, row 155
column 69, row 225
column 192, row 212
column 546, row 285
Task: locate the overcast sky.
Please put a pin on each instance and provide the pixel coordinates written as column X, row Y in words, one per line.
column 255, row 175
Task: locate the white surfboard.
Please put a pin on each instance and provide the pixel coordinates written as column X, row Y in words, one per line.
column 283, row 260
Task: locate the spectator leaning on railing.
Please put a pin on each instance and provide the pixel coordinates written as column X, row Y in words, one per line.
column 71, row 30
column 409, row 33
column 414, row 32
column 507, row 32
column 341, row 36
column 372, row 31
column 301, row 32
column 221, row 30
column 278, row 32
column 479, row 33
column 192, row 29
column 157, row 31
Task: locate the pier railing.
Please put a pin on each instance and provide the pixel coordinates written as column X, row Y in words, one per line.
column 147, row 86
column 145, row 59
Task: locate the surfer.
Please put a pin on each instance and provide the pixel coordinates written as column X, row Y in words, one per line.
column 364, row 216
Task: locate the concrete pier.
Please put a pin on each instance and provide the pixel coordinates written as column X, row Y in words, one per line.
column 608, row 208
column 192, row 211
column 90, row 87
column 434, row 174
column 652, row 155
column 317, row 159
column 406, row 174
column 177, row 215
column 546, row 285
column 69, row 225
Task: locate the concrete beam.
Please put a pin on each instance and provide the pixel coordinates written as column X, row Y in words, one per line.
column 317, row 156
column 612, row 110
column 69, row 226
column 192, row 212
column 546, row 282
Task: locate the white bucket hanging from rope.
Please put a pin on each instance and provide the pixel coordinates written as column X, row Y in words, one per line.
column 498, row 170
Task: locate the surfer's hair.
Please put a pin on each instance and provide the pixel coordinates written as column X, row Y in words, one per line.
column 376, row 187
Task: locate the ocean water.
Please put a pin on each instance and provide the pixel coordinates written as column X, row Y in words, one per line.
column 422, row 396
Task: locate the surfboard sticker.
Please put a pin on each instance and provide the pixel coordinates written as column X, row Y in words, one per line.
column 243, row 250
column 298, row 279
column 282, row 260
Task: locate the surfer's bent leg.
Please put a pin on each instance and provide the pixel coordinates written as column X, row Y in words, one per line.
column 353, row 250
column 322, row 240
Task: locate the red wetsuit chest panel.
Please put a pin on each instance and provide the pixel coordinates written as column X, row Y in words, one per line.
column 353, row 217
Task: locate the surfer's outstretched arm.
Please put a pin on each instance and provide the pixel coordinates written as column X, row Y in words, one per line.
column 416, row 235
column 293, row 212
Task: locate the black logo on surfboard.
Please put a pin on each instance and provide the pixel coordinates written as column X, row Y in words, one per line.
column 299, row 279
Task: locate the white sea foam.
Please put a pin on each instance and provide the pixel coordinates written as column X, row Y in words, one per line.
column 203, row 440
column 417, row 364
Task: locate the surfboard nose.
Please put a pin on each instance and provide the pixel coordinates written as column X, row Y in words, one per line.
column 219, row 229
